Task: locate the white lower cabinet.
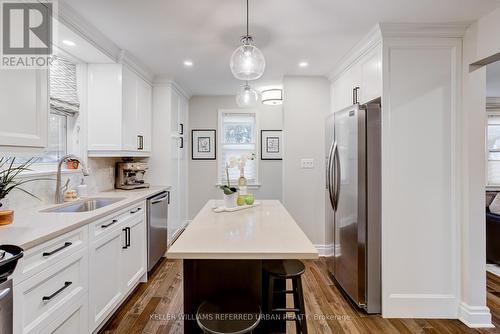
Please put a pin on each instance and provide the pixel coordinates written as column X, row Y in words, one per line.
column 117, row 260
column 73, row 283
column 39, row 300
column 134, row 253
column 106, row 291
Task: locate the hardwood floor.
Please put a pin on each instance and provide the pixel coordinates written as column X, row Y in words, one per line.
column 156, row 308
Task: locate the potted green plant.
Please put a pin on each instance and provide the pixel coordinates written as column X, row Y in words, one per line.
column 9, row 172
column 230, row 193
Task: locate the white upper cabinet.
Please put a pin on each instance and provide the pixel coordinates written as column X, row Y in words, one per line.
column 24, row 103
column 120, row 112
column 364, row 74
column 371, row 76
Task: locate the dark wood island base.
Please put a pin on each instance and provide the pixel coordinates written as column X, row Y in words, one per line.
column 204, row 279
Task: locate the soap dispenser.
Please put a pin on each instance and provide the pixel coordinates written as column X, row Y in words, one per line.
column 82, row 189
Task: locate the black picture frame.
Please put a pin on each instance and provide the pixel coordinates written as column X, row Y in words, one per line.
column 196, row 134
column 265, row 135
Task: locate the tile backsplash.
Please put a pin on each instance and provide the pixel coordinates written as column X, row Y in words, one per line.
column 101, row 178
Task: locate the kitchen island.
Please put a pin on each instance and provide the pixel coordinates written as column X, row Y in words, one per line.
column 223, row 252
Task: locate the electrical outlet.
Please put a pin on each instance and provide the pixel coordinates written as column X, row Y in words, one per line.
column 307, row 163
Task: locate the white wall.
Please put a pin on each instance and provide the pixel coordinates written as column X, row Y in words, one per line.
column 203, row 114
column 306, row 102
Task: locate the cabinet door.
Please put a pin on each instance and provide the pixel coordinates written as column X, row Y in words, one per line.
column 105, row 275
column 134, row 255
column 343, row 87
column 371, row 76
column 130, row 125
column 24, row 103
column 175, row 144
column 183, row 161
column 104, row 107
column 144, row 113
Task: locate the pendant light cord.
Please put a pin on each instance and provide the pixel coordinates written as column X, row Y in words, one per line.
column 247, row 20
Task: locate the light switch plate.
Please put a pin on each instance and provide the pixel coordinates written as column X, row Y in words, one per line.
column 307, row 163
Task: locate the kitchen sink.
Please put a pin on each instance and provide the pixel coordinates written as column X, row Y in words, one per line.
column 85, row 205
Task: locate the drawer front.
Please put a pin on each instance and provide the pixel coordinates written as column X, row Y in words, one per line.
column 45, row 255
column 72, row 320
column 42, row 298
column 111, row 223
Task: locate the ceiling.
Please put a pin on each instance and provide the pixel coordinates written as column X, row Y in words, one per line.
column 164, row 33
column 493, row 80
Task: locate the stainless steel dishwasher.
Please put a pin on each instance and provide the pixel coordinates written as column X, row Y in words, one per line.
column 157, row 210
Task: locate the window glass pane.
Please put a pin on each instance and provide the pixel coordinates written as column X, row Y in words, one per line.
column 239, row 128
column 238, row 139
column 493, row 133
column 56, row 148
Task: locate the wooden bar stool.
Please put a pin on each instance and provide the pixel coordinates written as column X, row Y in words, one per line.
column 283, row 270
column 228, row 314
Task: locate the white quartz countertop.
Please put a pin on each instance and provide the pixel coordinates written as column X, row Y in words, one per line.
column 263, row 232
column 33, row 227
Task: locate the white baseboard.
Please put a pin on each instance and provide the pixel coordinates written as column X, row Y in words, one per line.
column 431, row 306
column 475, row 316
column 324, row 250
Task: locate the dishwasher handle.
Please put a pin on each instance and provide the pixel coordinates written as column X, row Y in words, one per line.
column 156, row 200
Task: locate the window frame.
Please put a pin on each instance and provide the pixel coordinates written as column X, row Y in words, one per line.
column 220, row 143
column 490, row 112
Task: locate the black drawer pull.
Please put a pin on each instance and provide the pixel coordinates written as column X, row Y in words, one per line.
column 66, row 284
column 135, row 211
column 127, row 237
column 114, row 221
column 66, row 244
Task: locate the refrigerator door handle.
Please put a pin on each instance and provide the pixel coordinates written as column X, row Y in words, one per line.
column 329, row 175
column 337, row 176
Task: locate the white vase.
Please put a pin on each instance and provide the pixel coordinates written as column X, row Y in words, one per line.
column 230, row 200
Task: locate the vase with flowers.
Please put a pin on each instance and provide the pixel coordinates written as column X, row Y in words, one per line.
column 9, row 180
column 230, row 193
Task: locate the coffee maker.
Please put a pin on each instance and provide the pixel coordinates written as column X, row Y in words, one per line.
column 130, row 175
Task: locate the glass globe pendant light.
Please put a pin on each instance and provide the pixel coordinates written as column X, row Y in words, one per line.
column 247, row 61
column 247, row 97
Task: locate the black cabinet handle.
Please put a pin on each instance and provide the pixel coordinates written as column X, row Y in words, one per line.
column 66, row 284
column 182, row 142
column 355, row 95
column 181, row 128
column 140, row 144
column 114, row 221
column 136, row 210
column 66, row 244
column 126, row 237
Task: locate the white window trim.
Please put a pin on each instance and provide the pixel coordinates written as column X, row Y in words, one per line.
column 490, row 187
column 256, row 183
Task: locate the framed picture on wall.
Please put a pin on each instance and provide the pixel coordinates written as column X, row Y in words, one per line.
column 203, row 144
column 271, row 145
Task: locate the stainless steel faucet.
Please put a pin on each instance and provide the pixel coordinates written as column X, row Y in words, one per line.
column 85, row 171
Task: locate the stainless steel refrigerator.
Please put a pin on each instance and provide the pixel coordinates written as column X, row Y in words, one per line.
column 353, row 191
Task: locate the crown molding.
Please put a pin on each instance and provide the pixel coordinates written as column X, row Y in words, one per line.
column 162, row 81
column 492, row 103
column 394, row 30
column 126, row 58
column 74, row 21
column 365, row 45
column 439, row 30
